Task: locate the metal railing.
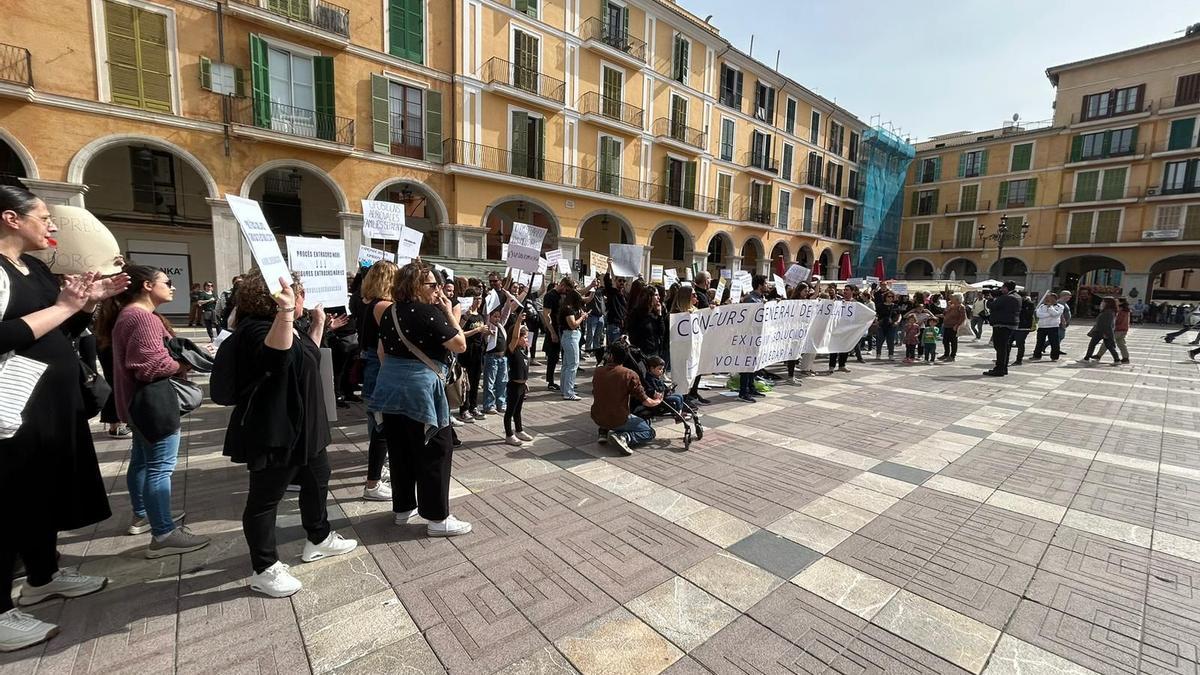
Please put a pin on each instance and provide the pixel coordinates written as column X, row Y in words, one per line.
column 1165, row 146
column 1128, row 151
column 814, row 180
column 499, row 71
column 672, row 129
column 1181, row 190
column 614, row 109
column 833, row 187
column 619, row 39
column 759, row 160
column 753, row 213
column 969, row 207
column 15, row 65
column 290, row 120
column 406, row 143
column 1099, row 194
column 499, row 160
column 318, row 14
column 1174, row 101
column 1077, row 117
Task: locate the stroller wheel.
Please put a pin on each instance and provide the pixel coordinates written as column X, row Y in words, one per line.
column 699, row 432
column 687, row 437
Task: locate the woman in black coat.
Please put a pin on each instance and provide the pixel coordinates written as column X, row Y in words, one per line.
column 644, row 323
column 1104, row 330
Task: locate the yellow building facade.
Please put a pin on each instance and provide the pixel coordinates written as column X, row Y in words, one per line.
column 604, row 121
column 1108, row 190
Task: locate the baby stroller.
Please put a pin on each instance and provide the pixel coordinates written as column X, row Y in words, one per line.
column 684, row 414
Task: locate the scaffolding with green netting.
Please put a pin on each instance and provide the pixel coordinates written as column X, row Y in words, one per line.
column 884, row 157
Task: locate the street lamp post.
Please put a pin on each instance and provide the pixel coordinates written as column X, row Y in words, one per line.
column 1002, row 236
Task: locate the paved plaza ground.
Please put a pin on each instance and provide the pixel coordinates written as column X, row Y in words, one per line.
column 894, row 519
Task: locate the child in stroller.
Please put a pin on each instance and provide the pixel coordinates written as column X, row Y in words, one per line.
column 650, row 371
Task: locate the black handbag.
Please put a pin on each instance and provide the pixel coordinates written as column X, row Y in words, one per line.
column 94, row 388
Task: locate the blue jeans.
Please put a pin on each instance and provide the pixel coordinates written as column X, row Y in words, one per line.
column 594, row 333
column 613, row 333
column 570, row 361
column 495, row 381
column 637, row 431
column 149, row 479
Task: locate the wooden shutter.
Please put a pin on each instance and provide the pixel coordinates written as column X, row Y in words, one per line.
column 1181, row 133
column 120, row 22
column 738, row 88
column 983, row 160
column 1002, row 199
column 406, row 29
column 520, row 143
column 1113, row 185
column 206, row 73
column 1032, row 198
column 1086, row 183
column 667, row 179
column 381, row 118
column 1187, row 91
column 767, row 194
column 689, row 185
column 1076, row 149
column 239, row 82
column 433, row 126
column 916, row 202
column 1079, row 231
column 920, row 237
column 327, row 124
column 962, row 164
column 155, row 61
column 260, row 80
column 1108, row 225
column 1021, row 156
column 968, row 198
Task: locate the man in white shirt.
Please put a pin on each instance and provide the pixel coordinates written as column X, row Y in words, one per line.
column 1049, row 317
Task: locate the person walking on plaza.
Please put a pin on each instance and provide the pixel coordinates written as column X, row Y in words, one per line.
column 1104, row 330
column 1005, row 311
column 418, row 334
column 979, row 313
column 140, row 357
column 517, row 353
column 1025, row 322
column 953, row 318
column 1049, row 319
column 1124, row 315
column 207, row 302
column 279, row 427
column 613, row 387
column 1064, row 301
column 571, row 317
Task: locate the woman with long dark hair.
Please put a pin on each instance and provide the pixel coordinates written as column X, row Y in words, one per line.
column 49, row 475
column 571, row 317
column 139, row 335
column 1104, row 330
column 644, row 324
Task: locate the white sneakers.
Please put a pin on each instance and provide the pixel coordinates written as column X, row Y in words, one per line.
column 66, row 583
column 450, row 527
column 621, row 442
column 524, row 436
column 404, row 517
column 513, row 440
column 455, row 422
column 334, row 544
column 382, row 492
column 19, row 630
column 275, row 581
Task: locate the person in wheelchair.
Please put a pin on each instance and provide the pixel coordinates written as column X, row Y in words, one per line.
column 613, row 386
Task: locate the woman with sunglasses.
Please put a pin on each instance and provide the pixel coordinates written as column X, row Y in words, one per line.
column 49, row 476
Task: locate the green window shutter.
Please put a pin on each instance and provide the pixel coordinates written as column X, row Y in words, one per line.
column 689, row 185
column 1079, row 231
column 1133, row 140
column 1181, row 134
column 433, row 126
column 921, row 236
column 983, row 160
column 937, row 167
column 1191, row 223
column 205, row 73
column 323, row 95
column 724, row 187
column 969, row 198
column 1002, row 199
column 1106, row 144
column 1113, row 186
column 962, row 164
column 1076, row 149
column 935, row 201
column 239, row 82
column 768, row 193
column 520, row 143
column 1022, row 155
column 154, row 61
column 614, row 164
column 260, row 79
column 1108, row 225
column 1032, row 200
column 667, row 178
column 539, row 150
column 1085, row 185
column 625, row 23
column 916, row 201
column 406, row 29
column 381, row 122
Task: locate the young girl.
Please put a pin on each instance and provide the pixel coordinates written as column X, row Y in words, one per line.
column 912, row 336
column 517, row 354
column 476, row 330
column 929, row 338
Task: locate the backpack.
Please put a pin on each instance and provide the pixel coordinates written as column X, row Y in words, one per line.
column 223, row 380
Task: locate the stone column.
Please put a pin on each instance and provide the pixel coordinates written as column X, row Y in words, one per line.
column 764, row 267
column 351, row 225
column 57, row 192
column 735, row 263
column 1139, row 283
column 699, row 260
column 465, row 242
column 231, row 256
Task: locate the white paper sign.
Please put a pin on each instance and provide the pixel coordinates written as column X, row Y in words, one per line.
column 900, row 288
column 720, row 289
column 465, row 303
column 780, row 286
column 795, row 274
column 529, row 236
column 656, row 273
column 321, row 264
column 368, row 256
column 552, row 257
column 260, row 239
column 626, row 259
column 727, row 273
column 542, row 265
column 410, row 243
column 670, row 277
column 444, row 270
column 856, row 282
column 871, row 280
column 382, row 220
column 735, row 291
column 564, row 266
column 523, row 258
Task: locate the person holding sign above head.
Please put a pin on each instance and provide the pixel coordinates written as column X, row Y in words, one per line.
column 570, row 317
column 500, row 305
column 279, row 427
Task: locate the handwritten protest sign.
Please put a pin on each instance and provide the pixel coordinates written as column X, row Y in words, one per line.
column 670, row 277
column 523, row 258
column 780, row 286
column 626, row 259
column 382, row 220
column 796, row 274
column 564, row 266
column 321, row 264
column 735, row 291
column 552, row 257
column 721, row 289
column 598, row 262
column 899, row 288
column 529, row 236
column 260, row 239
column 744, row 338
column 656, row 273
column 368, row 256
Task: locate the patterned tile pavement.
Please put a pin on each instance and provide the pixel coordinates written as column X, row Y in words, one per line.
column 894, row 519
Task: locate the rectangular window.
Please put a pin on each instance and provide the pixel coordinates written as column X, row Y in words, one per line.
column 1016, row 194
column 813, row 177
column 1168, row 217
column 925, row 202
column 1187, row 91
column 731, row 87
column 929, row 170
column 964, row 234
column 680, row 56
column 292, row 92
column 809, row 206
column 760, row 203
column 724, row 189
column 789, row 122
column 727, row 131
column 1022, row 157
column 848, row 224
column 139, row 64
column 153, row 173
column 853, row 187
column 972, row 164
column 760, row 150
column 968, row 197
column 528, row 7
column 814, row 128
column 764, row 102
column 921, row 236
column 528, row 147
column 609, row 175
column 679, row 118
column 612, row 92
column 1108, row 226
column 616, row 25
column 1120, row 141
column 836, row 132
column 680, row 182
column 853, row 156
column 785, row 166
column 525, row 61
column 1113, row 102
column 1181, row 177
column 785, row 205
column 406, row 106
column 406, row 29
column 1183, row 134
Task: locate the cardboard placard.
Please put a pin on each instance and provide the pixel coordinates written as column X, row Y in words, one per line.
column 523, row 258
column 656, row 273
column 796, row 274
column 552, row 257
column 564, row 266
column 735, row 291
column 410, row 243
column 780, row 286
column 260, row 239
column 900, row 288
column 626, row 259
column 529, row 236
column 321, row 264
column 598, row 262
column 720, row 289
column 382, row 220
column 368, row 256
column 670, row 277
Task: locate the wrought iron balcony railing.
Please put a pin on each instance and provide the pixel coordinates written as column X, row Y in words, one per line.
column 760, row 160
column 15, row 65
column 614, row 109
column 406, row 143
column 290, row 120
column 498, row 71
column 969, row 207
column 678, row 131
column 616, row 37
column 1081, row 154
column 318, row 14
column 1099, row 193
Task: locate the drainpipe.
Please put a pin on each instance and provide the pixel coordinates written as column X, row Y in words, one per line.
column 226, row 101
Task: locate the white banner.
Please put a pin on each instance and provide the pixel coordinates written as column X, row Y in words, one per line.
column 382, row 220
column 626, row 259
column 368, row 256
column 260, row 239
column 747, row 337
column 321, row 264
column 529, row 236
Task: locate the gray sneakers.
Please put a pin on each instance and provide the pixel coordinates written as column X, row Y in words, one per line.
column 141, row 524
column 179, row 541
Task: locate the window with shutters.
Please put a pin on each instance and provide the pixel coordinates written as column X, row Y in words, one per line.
column 921, row 236
column 789, row 121
column 1183, row 134
column 526, row 49
column 405, row 121
column 926, row 202
column 139, row 57
column 612, row 92
column 1191, row 223
column 854, row 186
column 929, row 170
column 1022, row 157
column 1111, row 103
column 853, row 149
column 406, row 107
column 785, row 166
column 1187, row 91
column 731, row 87
column 616, row 25
column 835, row 138
column 1184, row 218
column 814, row 128
column 964, row 234
column 527, row 7
column 1019, row 194
column 815, row 162
column 1181, row 177
column 679, row 118
column 610, row 165
column 809, row 207
column 680, row 58
column 764, row 102
column 1094, row 227
column 292, row 91
column 848, row 224
column 760, row 203
column 153, row 174
column 406, row 29
column 972, row 164
column 680, row 182
column 785, row 205
column 1100, row 185
column 724, row 191
column 1168, row 217
column 528, row 145
column 968, row 197
column 728, row 128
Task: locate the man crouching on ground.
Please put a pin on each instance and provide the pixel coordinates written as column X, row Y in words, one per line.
column 613, row 386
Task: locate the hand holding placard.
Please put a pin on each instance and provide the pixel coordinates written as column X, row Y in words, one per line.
column 259, row 238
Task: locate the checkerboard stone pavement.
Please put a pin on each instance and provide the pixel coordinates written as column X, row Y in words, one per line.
column 894, row 519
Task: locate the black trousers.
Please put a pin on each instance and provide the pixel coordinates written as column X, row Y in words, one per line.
column 267, row 487
column 930, row 351
column 950, row 342
column 746, row 384
column 887, row 335
column 1047, row 336
column 838, row 360
column 376, row 450
column 474, row 373
column 552, row 349
column 420, row 470
column 1002, row 343
column 534, row 330
column 910, row 351
column 1018, row 339
column 516, row 401
column 33, row 540
column 1109, row 344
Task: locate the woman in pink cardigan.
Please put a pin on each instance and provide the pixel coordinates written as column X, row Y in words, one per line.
column 140, row 357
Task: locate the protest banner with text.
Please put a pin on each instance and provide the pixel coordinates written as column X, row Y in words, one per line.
column 382, row 220
column 262, row 242
column 321, row 264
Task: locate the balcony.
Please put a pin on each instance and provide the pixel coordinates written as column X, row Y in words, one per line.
column 679, row 135
column 855, row 192
column 1131, row 150
column 1098, row 194
column 969, row 207
column 833, row 187
column 958, row 244
column 1164, row 147
column 1143, row 110
column 16, row 68
column 523, row 83
column 318, row 19
column 406, row 143
column 813, row 181
column 1170, row 191
column 752, row 213
column 500, row 161
column 268, row 120
column 611, row 112
column 1167, row 102
column 760, row 162
column 616, row 42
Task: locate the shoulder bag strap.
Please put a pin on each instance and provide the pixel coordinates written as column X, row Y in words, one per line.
column 413, row 348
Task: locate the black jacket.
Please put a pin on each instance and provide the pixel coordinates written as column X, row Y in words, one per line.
column 1025, row 320
column 1105, row 326
column 647, row 333
column 266, row 421
column 1005, row 310
column 615, row 303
